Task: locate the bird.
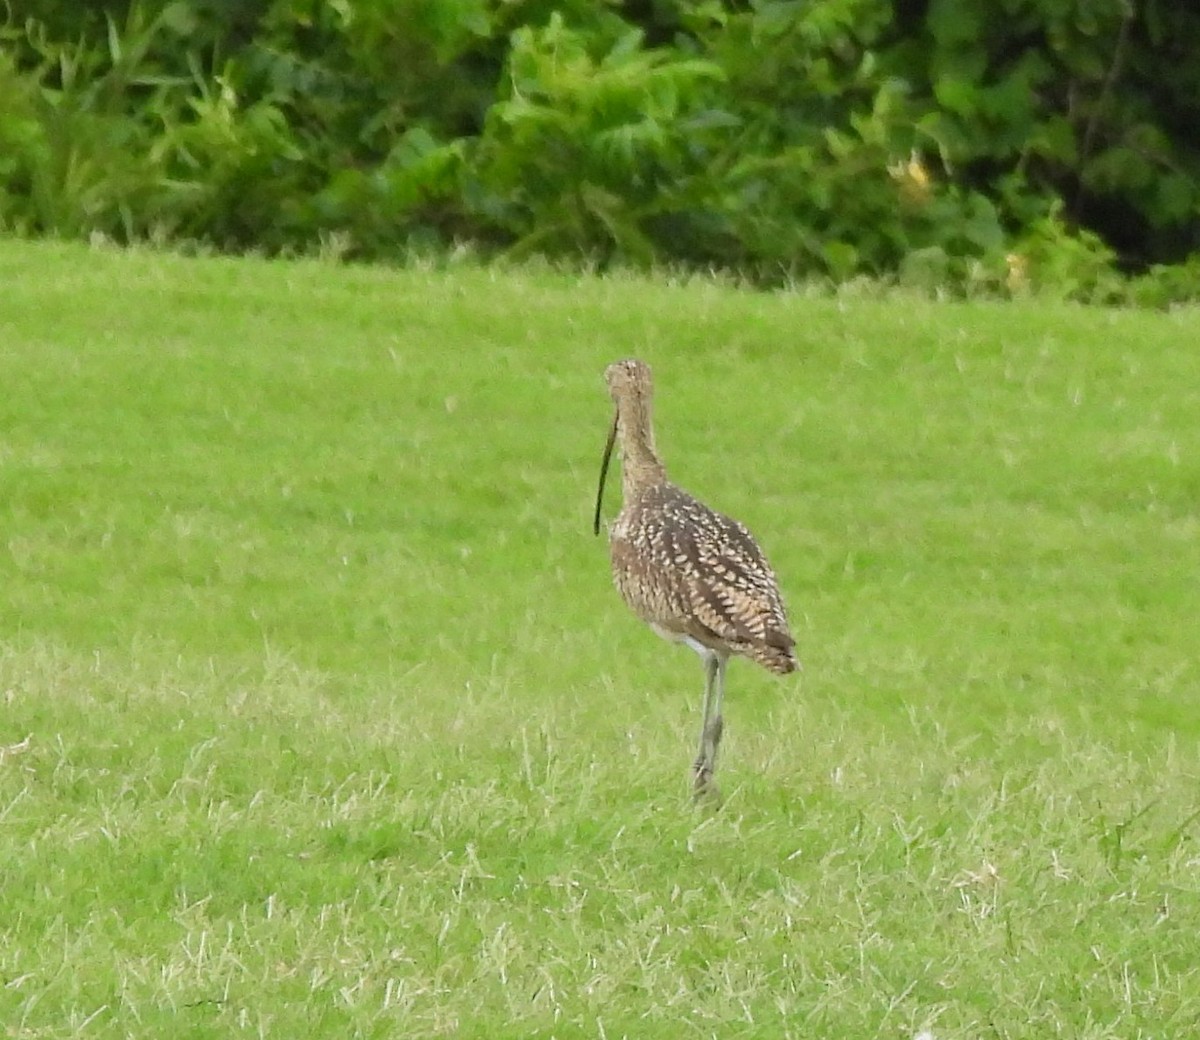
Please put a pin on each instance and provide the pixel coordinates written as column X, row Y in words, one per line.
column 694, row 575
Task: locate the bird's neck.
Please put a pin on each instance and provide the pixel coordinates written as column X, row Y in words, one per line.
column 640, row 465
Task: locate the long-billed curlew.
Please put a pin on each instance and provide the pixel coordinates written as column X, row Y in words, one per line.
column 694, row 575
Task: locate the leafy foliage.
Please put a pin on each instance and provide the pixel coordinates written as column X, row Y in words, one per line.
column 938, row 142
column 591, row 153
column 1050, row 100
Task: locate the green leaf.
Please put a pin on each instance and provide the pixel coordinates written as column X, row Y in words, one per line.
column 957, row 95
column 841, row 258
column 1177, row 199
column 953, row 23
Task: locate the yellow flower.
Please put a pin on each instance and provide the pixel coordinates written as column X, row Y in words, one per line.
column 913, row 179
column 1018, row 272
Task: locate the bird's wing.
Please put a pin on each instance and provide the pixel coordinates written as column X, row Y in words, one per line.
column 732, row 589
column 695, row 572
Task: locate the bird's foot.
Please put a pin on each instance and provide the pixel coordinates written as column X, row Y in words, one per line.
column 702, row 781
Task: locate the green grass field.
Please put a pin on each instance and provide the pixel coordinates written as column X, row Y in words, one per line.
column 319, row 716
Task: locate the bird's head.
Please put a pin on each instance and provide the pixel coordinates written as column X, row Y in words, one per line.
column 630, row 386
column 627, row 379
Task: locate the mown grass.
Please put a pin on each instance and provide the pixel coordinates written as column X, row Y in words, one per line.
column 320, row 717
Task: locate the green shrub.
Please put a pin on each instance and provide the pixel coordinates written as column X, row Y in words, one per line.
column 962, row 146
column 584, row 152
column 1084, row 102
column 74, row 149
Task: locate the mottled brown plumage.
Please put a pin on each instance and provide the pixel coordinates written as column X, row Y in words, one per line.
column 694, row 575
column 691, row 572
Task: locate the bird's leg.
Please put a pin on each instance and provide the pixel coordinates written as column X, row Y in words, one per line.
column 710, row 675
column 710, row 730
column 714, row 725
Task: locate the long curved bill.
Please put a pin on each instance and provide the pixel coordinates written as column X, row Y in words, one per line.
column 612, row 438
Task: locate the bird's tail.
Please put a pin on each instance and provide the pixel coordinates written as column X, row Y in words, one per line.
column 777, row 653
